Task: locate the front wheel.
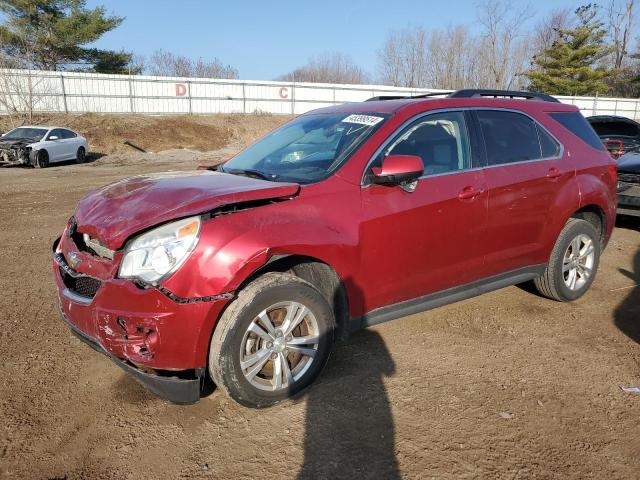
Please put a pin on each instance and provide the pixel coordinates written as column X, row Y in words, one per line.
column 42, row 159
column 81, row 155
column 272, row 341
column 573, row 263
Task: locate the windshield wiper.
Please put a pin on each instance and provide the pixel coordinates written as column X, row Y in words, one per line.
column 249, row 173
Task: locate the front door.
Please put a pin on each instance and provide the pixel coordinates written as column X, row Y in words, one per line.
column 426, row 240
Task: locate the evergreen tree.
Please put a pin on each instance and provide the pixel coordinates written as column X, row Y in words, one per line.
column 53, row 35
column 571, row 65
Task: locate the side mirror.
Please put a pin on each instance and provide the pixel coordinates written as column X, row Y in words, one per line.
column 398, row 169
column 53, row 137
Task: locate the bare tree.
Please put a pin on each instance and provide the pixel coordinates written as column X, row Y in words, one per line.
column 620, row 23
column 23, row 90
column 332, row 67
column 547, row 30
column 402, row 61
column 504, row 50
column 452, row 58
column 166, row 64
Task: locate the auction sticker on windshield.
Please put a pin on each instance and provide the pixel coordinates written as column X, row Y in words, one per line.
column 363, row 119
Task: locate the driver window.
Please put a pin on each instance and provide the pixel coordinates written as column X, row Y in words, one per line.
column 441, row 141
column 55, row 133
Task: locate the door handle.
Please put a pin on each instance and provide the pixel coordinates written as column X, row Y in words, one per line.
column 554, row 173
column 469, row 193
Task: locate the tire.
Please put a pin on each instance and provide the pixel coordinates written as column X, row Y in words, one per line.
column 232, row 340
column 81, row 155
column 557, row 281
column 42, row 159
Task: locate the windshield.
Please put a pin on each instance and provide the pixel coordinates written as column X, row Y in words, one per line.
column 307, row 149
column 34, row 134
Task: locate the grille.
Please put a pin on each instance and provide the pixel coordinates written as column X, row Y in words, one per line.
column 83, row 286
column 629, row 177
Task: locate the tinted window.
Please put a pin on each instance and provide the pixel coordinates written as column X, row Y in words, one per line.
column 509, row 137
column 550, row 148
column 440, row 140
column 56, row 133
column 578, row 125
column 68, row 134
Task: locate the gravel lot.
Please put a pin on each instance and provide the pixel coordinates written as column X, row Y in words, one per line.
column 508, row 385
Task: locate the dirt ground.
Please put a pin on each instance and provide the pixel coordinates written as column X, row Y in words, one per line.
column 508, row 385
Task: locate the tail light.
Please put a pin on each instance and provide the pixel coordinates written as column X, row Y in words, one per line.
column 615, row 148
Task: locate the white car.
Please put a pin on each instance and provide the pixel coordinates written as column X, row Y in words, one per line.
column 41, row 146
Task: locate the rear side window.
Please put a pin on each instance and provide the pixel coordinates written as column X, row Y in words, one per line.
column 68, row 134
column 509, row 137
column 578, row 125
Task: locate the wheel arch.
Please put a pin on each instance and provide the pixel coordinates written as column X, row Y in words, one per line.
column 595, row 215
column 317, row 272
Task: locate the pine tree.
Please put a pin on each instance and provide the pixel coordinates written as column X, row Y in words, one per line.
column 570, row 65
column 53, row 34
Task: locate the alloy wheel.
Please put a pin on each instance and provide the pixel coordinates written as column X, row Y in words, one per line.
column 279, row 346
column 577, row 263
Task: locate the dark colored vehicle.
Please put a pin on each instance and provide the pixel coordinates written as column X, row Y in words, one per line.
column 619, row 134
column 621, row 137
column 343, row 218
column 629, row 184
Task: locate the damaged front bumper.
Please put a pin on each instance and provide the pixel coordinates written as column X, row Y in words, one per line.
column 161, row 343
column 16, row 155
column 177, row 390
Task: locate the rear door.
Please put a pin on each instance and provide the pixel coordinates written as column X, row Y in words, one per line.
column 524, row 172
column 416, row 242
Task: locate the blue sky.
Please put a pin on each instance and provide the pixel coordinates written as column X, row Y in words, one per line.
column 264, row 39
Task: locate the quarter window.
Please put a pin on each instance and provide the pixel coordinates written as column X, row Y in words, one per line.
column 441, row 141
column 550, row 148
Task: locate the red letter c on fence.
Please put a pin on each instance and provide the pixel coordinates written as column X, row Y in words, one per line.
column 283, row 92
column 181, row 89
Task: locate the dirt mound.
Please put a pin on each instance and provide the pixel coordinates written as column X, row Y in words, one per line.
column 106, row 133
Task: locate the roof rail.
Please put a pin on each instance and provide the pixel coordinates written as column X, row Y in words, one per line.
column 403, row 97
column 473, row 92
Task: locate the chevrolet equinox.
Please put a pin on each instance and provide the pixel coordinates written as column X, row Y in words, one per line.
column 343, row 218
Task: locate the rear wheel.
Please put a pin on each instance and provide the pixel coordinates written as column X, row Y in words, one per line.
column 272, row 341
column 42, row 159
column 81, row 155
column 573, row 263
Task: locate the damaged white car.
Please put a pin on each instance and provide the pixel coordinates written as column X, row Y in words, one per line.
column 40, row 146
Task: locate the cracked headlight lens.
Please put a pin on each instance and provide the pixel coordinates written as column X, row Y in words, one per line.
column 161, row 251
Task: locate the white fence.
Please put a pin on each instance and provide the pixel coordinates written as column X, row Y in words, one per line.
column 69, row 92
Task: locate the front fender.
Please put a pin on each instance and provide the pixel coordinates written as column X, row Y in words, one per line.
column 232, row 247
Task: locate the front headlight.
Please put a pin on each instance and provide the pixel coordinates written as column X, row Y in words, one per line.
column 160, row 252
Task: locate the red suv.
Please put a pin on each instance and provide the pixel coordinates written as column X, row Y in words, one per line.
column 345, row 217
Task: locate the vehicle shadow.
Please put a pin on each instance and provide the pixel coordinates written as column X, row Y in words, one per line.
column 349, row 431
column 627, row 314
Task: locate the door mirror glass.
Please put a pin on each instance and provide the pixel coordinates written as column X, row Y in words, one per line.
column 398, row 169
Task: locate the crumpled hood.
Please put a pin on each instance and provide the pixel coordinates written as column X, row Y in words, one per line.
column 629, row 162
column 115, row 212
column 8, row 143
